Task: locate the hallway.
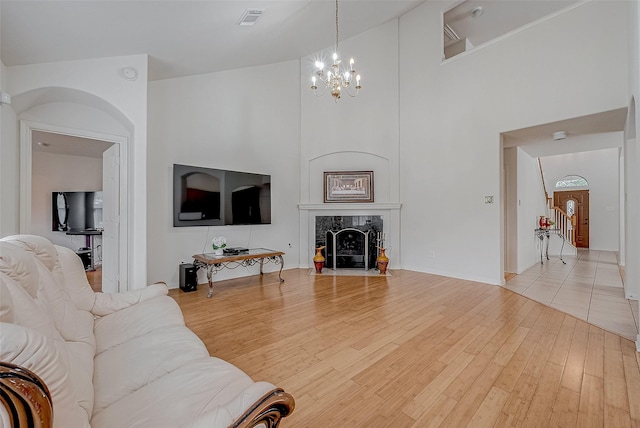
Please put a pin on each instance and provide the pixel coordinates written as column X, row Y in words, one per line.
column 588, row 287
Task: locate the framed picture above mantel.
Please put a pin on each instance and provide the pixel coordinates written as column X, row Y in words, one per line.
column 348, row 186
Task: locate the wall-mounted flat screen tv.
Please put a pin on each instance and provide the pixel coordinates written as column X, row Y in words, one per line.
column 73, row 211
column 216, row 197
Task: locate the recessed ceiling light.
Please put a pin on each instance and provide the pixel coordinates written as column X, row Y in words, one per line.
column 478, row 11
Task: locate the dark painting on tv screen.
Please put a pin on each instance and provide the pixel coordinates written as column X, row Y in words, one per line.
column 215, row 197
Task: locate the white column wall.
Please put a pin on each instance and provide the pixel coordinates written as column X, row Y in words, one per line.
column 632, row 161
column 353, row 134
column 102, row 78
column 9, row 159
column 452, row 114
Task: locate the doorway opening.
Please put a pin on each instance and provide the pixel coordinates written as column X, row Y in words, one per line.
column 77, row 160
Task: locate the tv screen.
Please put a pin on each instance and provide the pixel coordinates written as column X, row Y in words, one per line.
column 215, row 197
column 76, row 211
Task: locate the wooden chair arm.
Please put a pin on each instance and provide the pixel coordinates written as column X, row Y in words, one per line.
column 25, row 397
column 268, row 410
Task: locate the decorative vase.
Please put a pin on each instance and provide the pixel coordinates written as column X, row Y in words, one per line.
column 542, row 222
column 218, row 251
column 382, row 261
column 318, row 259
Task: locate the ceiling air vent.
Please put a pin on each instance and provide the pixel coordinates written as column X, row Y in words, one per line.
column 250, row 16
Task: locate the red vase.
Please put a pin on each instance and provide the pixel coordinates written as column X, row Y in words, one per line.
column 382, row 261
column 318, row 260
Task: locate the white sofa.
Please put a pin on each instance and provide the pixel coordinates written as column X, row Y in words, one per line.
column 115, row 360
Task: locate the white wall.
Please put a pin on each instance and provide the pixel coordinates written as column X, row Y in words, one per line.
column 9, row 159
column 452, row 114
column 60, row 173
column 632, row 161
column 97, row 80
column 600, row 169
column 531, row 205
column 244, row 120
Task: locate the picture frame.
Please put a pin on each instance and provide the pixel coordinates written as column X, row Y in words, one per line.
column 348, row 186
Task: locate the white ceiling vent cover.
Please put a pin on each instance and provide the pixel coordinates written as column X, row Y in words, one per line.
column 250, row 16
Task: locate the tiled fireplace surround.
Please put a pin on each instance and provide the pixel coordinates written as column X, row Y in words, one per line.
column 390, row 219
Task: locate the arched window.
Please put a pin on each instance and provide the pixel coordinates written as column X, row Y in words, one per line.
column 571, row 181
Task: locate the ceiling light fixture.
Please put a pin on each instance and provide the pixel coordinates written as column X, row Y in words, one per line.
column 336, row 78
column 560, row 135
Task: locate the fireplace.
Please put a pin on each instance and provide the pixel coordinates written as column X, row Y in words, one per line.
column 317, row 219
column 350, row 241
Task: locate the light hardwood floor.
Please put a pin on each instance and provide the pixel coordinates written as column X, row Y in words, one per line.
column 417, row 350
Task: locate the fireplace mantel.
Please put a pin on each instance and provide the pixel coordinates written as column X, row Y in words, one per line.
column 368, row 207
column 389, row 211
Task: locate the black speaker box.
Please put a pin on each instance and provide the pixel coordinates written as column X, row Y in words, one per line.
column 188, row 277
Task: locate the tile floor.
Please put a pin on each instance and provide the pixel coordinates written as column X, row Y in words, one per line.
column 588, row 287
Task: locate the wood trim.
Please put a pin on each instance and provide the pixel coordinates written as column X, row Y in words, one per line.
column 25, row 397
column 267, row 411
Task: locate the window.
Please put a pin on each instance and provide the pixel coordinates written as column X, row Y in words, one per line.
column 571, row 181
column 571, row 207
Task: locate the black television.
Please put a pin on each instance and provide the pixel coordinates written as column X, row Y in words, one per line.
column 73, row 211
column 217, row 197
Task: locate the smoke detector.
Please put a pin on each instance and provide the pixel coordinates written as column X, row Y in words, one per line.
column 560, row 135
column 477, row 12
column 250, row 16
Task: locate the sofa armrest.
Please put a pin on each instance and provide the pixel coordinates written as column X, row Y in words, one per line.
column 106, row 304
column 268, row 410
column 24, row 397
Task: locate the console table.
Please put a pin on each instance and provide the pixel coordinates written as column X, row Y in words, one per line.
column 214, row 264
column 541, row 234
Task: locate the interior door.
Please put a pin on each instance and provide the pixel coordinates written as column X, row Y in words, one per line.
column 111, row 219
column 580, row 206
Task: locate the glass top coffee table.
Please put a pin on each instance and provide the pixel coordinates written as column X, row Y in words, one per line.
column 214, row 263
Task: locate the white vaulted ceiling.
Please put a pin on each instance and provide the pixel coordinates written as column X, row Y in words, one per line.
column 186, row 37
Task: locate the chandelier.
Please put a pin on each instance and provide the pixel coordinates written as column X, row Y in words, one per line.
column 337, row 78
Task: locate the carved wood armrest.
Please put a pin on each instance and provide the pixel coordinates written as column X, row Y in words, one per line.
column 268, row 410
column 25, row 397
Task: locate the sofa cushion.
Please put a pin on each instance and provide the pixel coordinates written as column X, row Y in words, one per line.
column 120, row 370
column 27, row 311
column 137, row 320
column 19, row 266
column 76, row 344
column 208, row 388
column 6, row 302
column 75, row 279
column 32, row 350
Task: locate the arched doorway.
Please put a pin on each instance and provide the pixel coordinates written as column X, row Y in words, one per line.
column 81, row 114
